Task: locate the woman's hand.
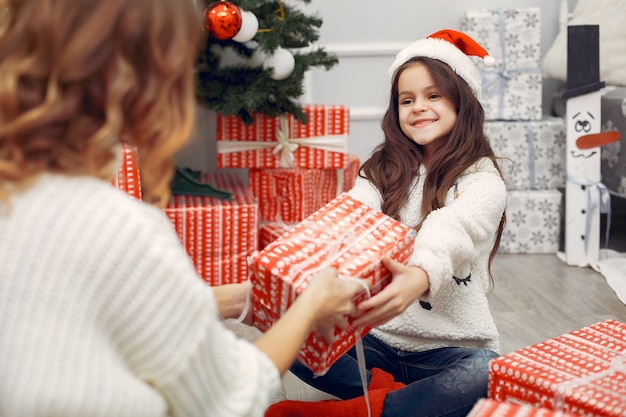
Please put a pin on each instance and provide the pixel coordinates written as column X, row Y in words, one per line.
column 332, row 300
column 323, row 305
column 233, row 299
column 408, row 283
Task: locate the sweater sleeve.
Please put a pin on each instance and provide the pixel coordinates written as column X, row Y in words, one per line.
column 163, row 319
column 458, row 233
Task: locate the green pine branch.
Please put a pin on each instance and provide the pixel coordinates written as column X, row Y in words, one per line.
column 242, row 90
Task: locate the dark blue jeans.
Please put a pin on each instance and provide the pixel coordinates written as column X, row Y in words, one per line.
column 439, row 382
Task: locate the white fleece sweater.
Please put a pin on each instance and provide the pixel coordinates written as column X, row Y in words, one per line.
column 102, row 314
column 453, row 247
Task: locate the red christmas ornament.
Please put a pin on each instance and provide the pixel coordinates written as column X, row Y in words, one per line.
column 222, row 19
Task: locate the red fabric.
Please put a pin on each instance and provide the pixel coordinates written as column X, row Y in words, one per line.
column 462, row 41
column 380, row 384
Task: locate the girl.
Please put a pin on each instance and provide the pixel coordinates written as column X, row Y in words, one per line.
column 435, row 172
column 101, row 310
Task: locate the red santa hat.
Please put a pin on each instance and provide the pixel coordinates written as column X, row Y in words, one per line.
column 451, row 47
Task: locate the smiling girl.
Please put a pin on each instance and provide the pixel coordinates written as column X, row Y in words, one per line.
column 435, row 172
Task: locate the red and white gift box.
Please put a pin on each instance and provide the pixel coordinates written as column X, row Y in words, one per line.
column 270, row 231
column 127, row 178
column 219, row 235
column 284, row 142
column 344, row 234
column 292, row 194
column 581, row 372
column 491, row 408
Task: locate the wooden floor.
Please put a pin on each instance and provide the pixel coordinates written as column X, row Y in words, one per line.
column 537, row 297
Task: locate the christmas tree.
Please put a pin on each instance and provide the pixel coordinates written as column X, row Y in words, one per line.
column 255, row 58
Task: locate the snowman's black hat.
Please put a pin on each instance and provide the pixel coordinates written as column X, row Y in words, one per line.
column 583, row 60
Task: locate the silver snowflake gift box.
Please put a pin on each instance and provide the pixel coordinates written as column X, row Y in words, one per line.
column 512, row 89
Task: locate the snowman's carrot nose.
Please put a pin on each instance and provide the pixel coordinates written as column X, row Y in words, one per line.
column 597, row 139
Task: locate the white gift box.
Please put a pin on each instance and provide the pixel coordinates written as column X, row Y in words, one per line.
column 533, row 222
column 532, row 152
column 512, row 89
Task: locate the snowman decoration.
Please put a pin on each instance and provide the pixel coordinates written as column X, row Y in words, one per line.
column 586, row 198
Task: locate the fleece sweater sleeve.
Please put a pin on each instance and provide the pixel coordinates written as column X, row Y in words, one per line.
column 456, row 234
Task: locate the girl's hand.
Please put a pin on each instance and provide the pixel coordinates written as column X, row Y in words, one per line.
column 408, row 283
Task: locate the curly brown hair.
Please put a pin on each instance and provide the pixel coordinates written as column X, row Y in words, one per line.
column 395, row 162
column 77, row 77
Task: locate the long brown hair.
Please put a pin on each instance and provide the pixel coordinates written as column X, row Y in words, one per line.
column 79, row 76
column 395, row 163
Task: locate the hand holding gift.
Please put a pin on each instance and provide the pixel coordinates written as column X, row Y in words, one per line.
column 345, row 235
column 330, row 301
column 323, row 305
column 408, row 283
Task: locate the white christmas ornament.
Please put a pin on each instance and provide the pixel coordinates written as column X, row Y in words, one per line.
column 249, row 27
column 282, row 62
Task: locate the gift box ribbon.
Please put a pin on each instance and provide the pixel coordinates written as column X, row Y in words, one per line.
column 530, row 139
column 495, row 80
column 284, row 146
column 341, row 243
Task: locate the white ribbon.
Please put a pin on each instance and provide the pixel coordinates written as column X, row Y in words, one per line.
column 286, row 146
column 339, row 242
column 565, row 389
column 246, row 306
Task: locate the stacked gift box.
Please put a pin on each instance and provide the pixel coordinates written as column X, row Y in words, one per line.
column 284, row 141
column 530, row 145
column 581, row 372
column 127, row 176
column 533, row 163
column 293, row 169
column 512, row 88
column 218, row 234
column 289, row 195
column 344, row 234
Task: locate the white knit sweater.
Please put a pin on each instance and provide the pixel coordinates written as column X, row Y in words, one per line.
column 453, row 247
column 102, row 314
